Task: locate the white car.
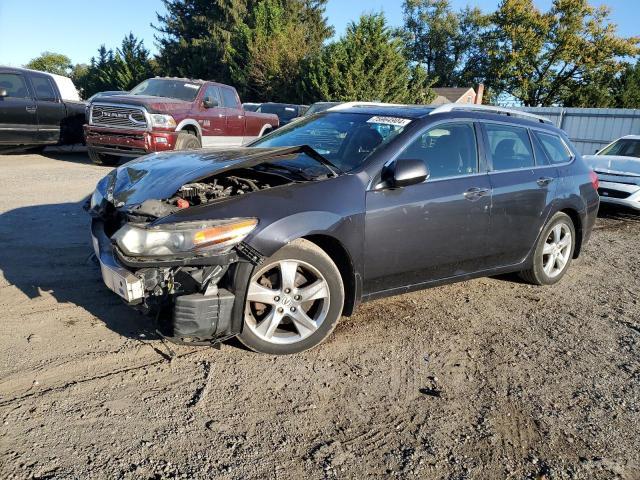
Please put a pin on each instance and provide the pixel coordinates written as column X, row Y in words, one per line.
column 618, row 169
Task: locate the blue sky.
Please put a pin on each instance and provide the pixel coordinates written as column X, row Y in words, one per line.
column 78, row 27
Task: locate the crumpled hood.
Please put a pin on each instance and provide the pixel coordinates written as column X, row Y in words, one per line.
column 160, row 175
column 629, row 166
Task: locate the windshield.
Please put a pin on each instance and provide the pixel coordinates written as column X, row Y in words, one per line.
column 284, row 112
column 162, row 87
column 625, row 147
column 345, row 139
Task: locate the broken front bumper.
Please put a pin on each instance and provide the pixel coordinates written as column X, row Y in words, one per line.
column 193, row 313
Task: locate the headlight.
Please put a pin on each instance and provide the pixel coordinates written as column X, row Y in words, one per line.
column 96, row 199
column 188, row 237
column 163, row 121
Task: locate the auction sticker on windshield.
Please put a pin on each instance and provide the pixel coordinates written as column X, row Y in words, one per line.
column 396, row 121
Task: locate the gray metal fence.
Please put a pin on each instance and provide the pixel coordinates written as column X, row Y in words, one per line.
column 590, row 129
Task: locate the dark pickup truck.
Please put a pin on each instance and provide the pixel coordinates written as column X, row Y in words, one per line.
column 164, row 114
column 38, row 109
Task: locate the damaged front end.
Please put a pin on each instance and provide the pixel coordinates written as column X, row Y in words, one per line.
column 184, row 272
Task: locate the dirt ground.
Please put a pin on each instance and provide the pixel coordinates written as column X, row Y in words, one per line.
column 487, row 379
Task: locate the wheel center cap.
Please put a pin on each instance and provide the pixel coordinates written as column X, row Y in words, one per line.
column 286, row 301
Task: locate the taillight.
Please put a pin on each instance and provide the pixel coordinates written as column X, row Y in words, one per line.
column 594, row 180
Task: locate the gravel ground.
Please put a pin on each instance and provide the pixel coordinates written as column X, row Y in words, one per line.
column 485, row 379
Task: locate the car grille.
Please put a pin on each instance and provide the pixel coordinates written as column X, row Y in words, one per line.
column 113, row 116
column 607, row 192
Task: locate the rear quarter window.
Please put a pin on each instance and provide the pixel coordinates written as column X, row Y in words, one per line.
column 554, row 147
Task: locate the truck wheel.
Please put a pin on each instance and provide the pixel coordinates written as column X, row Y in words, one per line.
column 294, row 300
column 187, row 141
column 103, row 158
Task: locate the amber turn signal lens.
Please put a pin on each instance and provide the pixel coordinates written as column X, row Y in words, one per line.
column 224, row 233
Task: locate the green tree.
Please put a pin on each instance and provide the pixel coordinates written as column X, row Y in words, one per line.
column 196, row 37
column 626, row 88
column 123, row 69
column 546, row 58
column 448, row 44
column 132, row 63
column 273, row 46
column 367, row 64
column 51, row 62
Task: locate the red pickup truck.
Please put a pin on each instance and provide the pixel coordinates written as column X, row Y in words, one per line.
column 164, row 114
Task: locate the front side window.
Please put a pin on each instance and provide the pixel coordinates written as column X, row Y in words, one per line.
column 509, row 147
column 448, row 150
column 44, row 88
column 14, row 85
column 345, row 139
column 212, row 93
column 626, row 147
column 554, row 147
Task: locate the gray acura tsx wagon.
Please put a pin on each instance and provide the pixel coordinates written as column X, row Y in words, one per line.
column 274, row 242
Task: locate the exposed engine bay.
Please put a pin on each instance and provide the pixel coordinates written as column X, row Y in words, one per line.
column 208, row 190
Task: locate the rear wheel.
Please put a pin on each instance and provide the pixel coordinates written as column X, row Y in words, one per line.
column 187, row 141
column 553, row 253
column 103, row 158
column 294, row 300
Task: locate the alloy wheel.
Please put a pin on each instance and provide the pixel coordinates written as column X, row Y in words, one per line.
column 557, row 250
column 287, row 301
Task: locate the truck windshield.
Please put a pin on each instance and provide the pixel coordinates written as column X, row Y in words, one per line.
column 162, row 87
column 345, row 139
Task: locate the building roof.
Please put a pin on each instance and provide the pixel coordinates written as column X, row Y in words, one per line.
column 452, row 94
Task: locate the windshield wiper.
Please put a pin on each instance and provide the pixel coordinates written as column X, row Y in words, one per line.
column 313, row 153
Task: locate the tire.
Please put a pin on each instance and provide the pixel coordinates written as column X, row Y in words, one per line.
column 553, row 253
column 103, row 158
column 285, row 323
column 187, row 141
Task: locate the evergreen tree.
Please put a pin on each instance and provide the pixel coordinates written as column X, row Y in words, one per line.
column 273, row 46
column 196, row 37
column 367, row 64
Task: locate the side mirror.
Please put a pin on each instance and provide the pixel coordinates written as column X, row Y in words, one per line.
column 405, row 172
column 209, row 102
column 3, row 92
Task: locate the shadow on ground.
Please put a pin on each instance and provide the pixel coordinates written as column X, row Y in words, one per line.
column 46, row 249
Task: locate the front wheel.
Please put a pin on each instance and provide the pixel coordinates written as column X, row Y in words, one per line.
column 294, row 300
column 187, row 141
column 553, row 253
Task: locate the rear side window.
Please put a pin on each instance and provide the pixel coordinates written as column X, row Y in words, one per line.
column 14, row 85
column 44, row 88
column 448, row 150
column 510, row 147
column 554, row 147
column 229, row 98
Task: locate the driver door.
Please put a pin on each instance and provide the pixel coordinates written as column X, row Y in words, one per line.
column 435, row 229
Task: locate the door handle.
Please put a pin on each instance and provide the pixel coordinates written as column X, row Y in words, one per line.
column 30, row 108
column 475, row 193
column 544, row 181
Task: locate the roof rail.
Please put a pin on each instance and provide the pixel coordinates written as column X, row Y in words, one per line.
column 344, row 106
column 450, row 107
